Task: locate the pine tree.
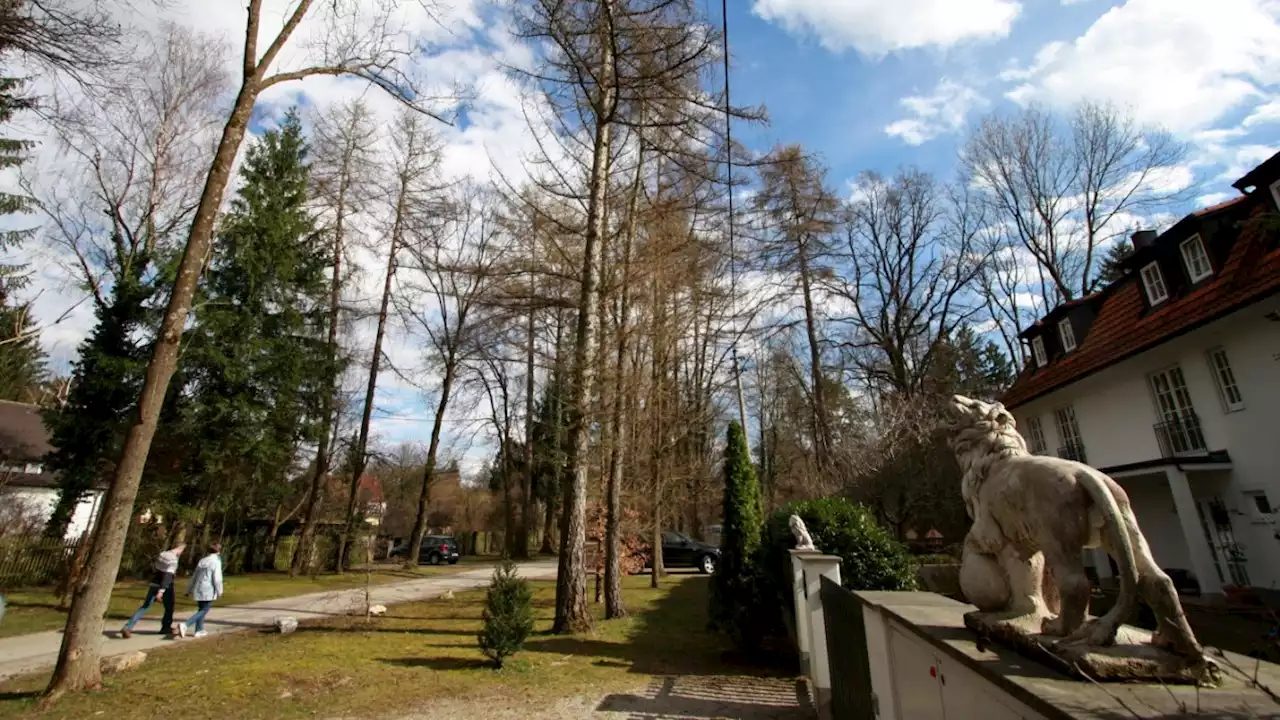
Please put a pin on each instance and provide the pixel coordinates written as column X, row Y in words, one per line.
column 508, row 614
column 742, row 523
column 22, row 361
column 87, row 431
column 257, row 362
column 1111, row 265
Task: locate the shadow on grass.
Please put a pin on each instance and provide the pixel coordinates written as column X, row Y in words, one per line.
column 444, row 663
column 19, row 696
column 371, row 628
column 669, row 638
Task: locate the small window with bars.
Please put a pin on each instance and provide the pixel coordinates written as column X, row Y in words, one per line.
column 1069, row 434
column 1225, row 377
column 1035, row 436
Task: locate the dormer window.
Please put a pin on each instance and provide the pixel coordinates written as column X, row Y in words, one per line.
column 1037, row 349
column 1068, row 336
column 1153, row 282
column 1196, row 259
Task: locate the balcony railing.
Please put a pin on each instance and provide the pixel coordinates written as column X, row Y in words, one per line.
column 1072, row 451
column 1181, row 436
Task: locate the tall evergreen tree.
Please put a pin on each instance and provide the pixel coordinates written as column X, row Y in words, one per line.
column 21, row 358
column 257, row 363
column 741, row 534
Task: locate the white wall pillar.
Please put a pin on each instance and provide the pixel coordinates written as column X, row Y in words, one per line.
column 817, row 567
column 1193, row 532
column 801, row 606
column 1101, row 563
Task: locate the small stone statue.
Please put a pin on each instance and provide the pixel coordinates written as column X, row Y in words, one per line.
column 803, row 541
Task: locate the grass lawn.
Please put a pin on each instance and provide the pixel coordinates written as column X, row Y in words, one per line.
column 36, row 609
column 421, row 661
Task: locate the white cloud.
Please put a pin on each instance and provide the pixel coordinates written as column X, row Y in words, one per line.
column 876, row 27
column 1183, row 64
column 942, row 111
column 1213, row 199
column 1264, row 114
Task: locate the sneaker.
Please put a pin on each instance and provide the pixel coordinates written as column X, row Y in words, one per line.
column 126, row 633
column 201, row 633
column 182, row 630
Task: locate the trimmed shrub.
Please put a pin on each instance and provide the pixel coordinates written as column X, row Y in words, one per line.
column 508, row 614
column 872, row 560
column 740, row 535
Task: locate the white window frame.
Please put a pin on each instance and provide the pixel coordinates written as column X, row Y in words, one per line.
column 1037, row 349
column 1275, row 192
column 1255, row 513
column 1067, row 334
column 1068, row 427
column 1035, row 433
column 1224, row 378
column 1153, row 280
column 1194, row 244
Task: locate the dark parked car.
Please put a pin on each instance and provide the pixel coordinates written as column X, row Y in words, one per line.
column 681, row 551
column 435, row 550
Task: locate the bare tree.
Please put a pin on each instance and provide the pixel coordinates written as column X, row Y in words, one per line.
column 799, row 213
column 343, row 174
column 373, row 50
column 1065, row 189
column 415, row 162
column 913, row 256
column 451, row 272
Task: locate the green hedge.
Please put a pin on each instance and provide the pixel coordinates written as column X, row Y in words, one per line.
column 872, row 560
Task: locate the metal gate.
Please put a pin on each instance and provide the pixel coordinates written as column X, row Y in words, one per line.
column 851, row 695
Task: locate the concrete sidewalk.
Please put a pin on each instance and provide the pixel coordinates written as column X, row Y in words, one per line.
column 31, row 653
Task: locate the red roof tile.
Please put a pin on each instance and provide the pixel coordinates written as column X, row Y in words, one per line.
column 1120, row 330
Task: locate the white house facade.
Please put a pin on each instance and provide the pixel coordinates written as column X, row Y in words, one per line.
column 27, row 489
column 1168, row 380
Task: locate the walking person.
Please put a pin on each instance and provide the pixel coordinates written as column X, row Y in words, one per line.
column 205, row 587
column 161, row 588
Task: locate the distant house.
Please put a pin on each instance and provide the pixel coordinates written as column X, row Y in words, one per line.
column 24, row 442
column 370, row 502
column 1168, row 380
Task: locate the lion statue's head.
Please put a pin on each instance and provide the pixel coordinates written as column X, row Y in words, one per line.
column 982, row 433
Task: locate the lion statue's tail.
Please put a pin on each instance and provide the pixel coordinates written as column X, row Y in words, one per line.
column 1099, row 489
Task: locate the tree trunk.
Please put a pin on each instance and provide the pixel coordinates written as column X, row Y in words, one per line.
column 526, row 479
column 572, row 612
column 428, row 473
column 360, row 455
column 302, row 553
column 613, row 605
column 821, row 435
column 79, row 656
column 548, row 527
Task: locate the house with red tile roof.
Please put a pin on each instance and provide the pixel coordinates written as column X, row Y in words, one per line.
column 1168, row 380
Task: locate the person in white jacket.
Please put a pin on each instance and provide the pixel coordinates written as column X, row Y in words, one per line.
column 205, row 587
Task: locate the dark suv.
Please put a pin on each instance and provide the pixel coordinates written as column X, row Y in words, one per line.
column 683, row 551
column 435, row 550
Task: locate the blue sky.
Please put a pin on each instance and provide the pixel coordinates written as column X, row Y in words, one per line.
column 863, row 84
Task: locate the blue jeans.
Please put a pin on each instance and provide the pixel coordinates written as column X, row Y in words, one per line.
column 166, row 623
column 197, row 619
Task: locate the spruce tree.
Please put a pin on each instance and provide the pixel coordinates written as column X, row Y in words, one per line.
column 22, row 361
column 1111, row 270
column 508, row 614
column 257, row 361
column 740, row 536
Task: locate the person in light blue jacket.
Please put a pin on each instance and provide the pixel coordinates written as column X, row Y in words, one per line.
column 205, row 587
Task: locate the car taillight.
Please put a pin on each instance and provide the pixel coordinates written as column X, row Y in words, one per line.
column 444, row 548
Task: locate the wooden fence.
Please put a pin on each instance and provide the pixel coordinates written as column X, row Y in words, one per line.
column 26, row 562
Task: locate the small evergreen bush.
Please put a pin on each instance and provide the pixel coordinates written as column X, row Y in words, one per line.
column 508, row 614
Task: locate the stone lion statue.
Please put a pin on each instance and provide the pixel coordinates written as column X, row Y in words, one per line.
column 801, row 533
column 1032, row 517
